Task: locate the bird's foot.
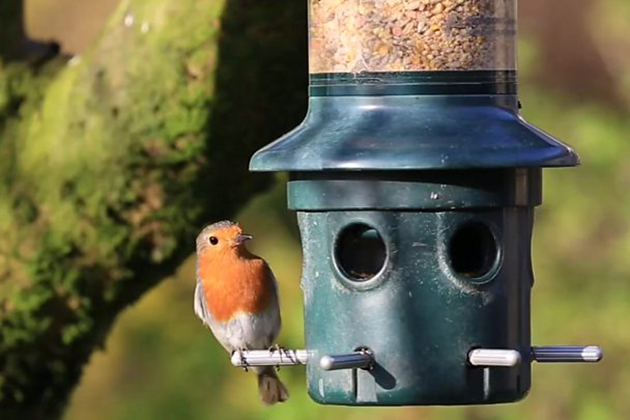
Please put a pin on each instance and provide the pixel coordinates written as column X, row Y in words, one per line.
column 280, row 350
column 276, row 347
column 244, row 363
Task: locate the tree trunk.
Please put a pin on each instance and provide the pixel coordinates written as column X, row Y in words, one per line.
column 111, row 162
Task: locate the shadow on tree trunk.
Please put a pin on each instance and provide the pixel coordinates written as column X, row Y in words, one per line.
column 14, row 43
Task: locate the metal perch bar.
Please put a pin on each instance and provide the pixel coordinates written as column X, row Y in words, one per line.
column 364, row 359
column 559, row 354
column 273, row 357
column 550, row 354
column 283, row 357
column 357, row 360
column 494, row 357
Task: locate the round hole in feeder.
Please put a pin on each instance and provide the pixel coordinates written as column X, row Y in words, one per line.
column 473, row 250
column 360, row 252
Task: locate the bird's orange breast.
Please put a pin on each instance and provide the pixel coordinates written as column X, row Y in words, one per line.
column 234, row 284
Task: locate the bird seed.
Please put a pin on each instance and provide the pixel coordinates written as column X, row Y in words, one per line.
column 352, row 36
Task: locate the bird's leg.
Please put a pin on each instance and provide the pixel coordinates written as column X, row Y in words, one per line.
column 276, row 347
column 244, row 363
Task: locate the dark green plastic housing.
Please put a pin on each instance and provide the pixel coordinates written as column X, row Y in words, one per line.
column 417, row 121
column 415, row 202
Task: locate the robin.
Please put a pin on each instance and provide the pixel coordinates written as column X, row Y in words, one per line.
column 236, row 296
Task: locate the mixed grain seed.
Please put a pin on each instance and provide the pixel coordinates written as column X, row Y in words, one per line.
column 411, row 35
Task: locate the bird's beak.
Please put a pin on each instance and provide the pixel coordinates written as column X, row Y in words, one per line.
column 242, row 238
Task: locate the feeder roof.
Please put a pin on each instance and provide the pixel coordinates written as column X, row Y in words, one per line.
column 393, row 133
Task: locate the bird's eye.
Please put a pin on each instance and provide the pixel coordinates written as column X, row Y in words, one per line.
column 213, row 240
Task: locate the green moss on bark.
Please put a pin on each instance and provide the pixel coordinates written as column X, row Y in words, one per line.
column 112, row 161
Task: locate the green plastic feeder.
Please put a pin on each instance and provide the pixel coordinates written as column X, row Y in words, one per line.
column 415, row 180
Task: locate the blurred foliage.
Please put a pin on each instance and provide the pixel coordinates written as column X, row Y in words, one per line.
column 160, row 362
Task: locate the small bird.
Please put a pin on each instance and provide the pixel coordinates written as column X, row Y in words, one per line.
column 237, row 297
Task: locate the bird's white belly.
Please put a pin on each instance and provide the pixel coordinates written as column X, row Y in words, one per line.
column 247, row 331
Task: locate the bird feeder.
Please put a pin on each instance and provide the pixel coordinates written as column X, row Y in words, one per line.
column 415, row 180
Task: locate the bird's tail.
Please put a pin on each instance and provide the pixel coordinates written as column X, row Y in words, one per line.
column 270, row 389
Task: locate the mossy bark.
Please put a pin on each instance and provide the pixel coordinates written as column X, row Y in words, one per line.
column 112, row 161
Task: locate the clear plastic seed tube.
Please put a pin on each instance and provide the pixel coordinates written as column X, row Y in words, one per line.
column 352, row 36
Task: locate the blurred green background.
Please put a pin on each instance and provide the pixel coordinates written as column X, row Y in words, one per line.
column 161, row 363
